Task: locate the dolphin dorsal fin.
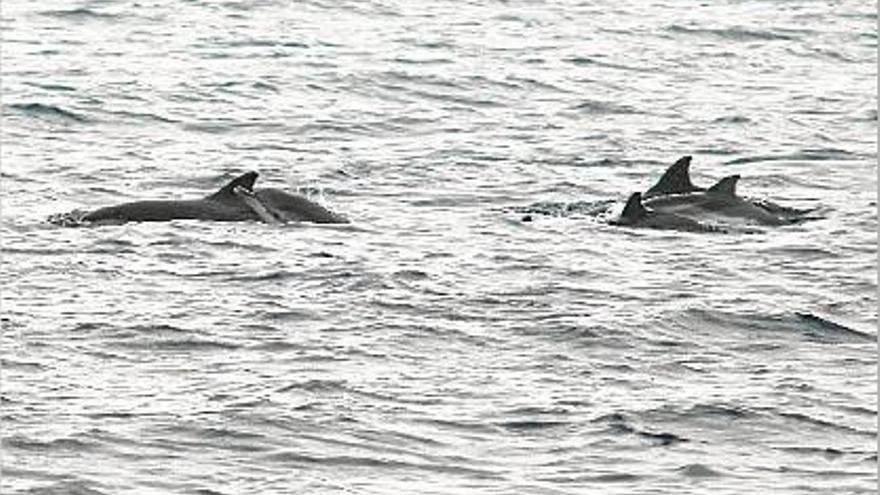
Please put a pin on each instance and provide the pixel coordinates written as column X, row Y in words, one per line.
column 676, row 180
column 228, row 191
column 634, row 208
column 725, row 186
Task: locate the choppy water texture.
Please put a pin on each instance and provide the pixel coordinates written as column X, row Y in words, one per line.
column 438, row 344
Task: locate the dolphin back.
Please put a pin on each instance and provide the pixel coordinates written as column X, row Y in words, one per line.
column 161, row 211
column 296, row 208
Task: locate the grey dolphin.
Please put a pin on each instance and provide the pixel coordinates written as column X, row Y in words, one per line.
column 719, row 202
column 227, row 204
column 636, row 215
column 677, row 180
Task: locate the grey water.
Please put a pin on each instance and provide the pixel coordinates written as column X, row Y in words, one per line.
column 440, row 343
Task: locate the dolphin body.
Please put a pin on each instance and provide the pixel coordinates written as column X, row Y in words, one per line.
column 677, row 180
column 636, row 215
column 719, row 203
column 236, row 201
column 674, row 202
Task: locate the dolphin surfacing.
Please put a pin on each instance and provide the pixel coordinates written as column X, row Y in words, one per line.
column 636, row 215
column 676, row 180
column 675, row 203
column 719, row 202
column 235, row 201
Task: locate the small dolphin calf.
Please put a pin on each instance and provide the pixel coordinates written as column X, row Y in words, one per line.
column 236, row 201
column 636, row 215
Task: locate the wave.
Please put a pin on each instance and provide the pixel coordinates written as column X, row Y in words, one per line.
column 143, row 117
column 254, row 43
column 47, row 111
column 525, row 426
column 732, row 119
column 591, row 61
column 162, row 337
column 805, row 154
column 824, row 329
column 698, row 471
column 80, row 13
column 303, row 459
column 183, row 344
column 738, row 33
column 800, row 421
column 619, row 424
column 18, row 442
column 803, row 324
column 594, row 107
column 562, row 209
column 67, row 487
column 52, row 87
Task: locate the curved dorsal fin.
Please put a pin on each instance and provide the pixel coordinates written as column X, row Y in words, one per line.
column 245, row 181
column 725, row 186
column 634, row 208
column 676, row 180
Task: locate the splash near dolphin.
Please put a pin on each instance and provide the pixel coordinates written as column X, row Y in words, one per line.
column 234, row 202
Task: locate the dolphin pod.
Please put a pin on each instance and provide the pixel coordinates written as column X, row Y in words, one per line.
column 235, row 201
column 675, row 203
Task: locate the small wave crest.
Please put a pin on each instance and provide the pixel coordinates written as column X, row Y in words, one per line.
column 698, row 471
column 798, row 323
column 733, row 33
column 48, row 111
column 18, row 442
column 75, row 218
column 560, row 209
column 80, row 13
column 824, row 329
column 802, row 155
column 595, row 107
column 619, row 424
column 594, row 61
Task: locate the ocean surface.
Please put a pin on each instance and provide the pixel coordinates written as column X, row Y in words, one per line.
column 478, row 327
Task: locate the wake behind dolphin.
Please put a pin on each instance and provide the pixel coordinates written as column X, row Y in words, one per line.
column 235, row 201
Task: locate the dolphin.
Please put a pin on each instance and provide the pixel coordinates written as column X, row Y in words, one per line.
column 636, row 215
column 719, row 202
column 235, row 201
column 677, row 180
